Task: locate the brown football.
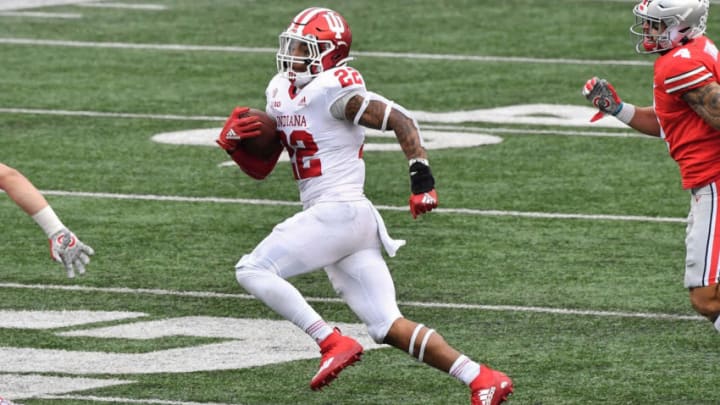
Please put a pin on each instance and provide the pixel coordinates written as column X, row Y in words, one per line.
column 267, row 143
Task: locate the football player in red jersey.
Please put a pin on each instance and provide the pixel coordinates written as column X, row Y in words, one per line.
column 686, row 114
column 320, row 105
column 65, row 247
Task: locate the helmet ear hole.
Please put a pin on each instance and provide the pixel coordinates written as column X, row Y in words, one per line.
column 677, row 36
column 337, row 55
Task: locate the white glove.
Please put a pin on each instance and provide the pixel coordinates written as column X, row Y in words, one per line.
column 67, row 249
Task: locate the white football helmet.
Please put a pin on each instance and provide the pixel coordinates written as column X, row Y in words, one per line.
column 665, row 24
column 319, row 39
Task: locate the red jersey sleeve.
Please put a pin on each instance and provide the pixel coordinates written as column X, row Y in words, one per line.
column 690, row 69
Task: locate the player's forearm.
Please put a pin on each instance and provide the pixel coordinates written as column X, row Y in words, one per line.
column 21, row 190
column 645, row 121
column 407, row 135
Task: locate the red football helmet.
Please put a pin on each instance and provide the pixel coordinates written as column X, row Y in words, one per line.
column 317, row 39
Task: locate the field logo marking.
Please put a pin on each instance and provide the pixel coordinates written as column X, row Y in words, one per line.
column 433, row 140
column 244, row 343
column 23, row 386
column 438, row 138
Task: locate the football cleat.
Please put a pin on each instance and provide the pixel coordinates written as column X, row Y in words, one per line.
column 338, row 352
column 490, row 387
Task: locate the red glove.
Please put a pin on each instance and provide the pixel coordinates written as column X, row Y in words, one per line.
column 422, row 185
column 422, row 203
column 237, row 128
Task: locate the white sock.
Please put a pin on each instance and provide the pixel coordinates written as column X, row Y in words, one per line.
column 319, row 330
column 465, row 369
column 48, row 221
column 717, row 324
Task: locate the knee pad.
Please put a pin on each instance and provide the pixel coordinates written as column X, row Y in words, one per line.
column 248, row 267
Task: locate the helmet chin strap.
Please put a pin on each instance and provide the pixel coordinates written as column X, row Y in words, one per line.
column 301, row 81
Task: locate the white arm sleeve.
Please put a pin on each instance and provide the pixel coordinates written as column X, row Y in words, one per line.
column 337, row 109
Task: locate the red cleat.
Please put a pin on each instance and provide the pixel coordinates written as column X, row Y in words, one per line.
column 490, row 387
column 338, row 352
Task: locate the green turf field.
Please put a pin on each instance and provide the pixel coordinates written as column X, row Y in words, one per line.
column 557, row 255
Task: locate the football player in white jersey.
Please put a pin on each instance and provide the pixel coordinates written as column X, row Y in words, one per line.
column 321, row 105
column 65, row 247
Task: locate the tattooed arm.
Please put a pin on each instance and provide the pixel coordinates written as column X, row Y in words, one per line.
column 405, row 127
column 705, row 101
column 374, row 111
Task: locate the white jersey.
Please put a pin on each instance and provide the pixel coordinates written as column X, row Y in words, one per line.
column 325, row 152
column 339, row 229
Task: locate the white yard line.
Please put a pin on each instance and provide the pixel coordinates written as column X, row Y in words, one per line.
column 30, row 4
column 241, row 49
column 417, row 304
column 526, row 131
column 466, row 211
column 126, row 6
column 99, row 114
column 39, row 14
column 92, row 398
column 441, row 127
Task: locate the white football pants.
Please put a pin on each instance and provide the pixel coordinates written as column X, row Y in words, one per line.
column 342, row 238
column 702, row 240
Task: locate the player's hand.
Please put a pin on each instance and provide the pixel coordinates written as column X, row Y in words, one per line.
column 237, row 128
column 422, row 184
column 422, row 203
column 67, row 249
column 602, row 95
